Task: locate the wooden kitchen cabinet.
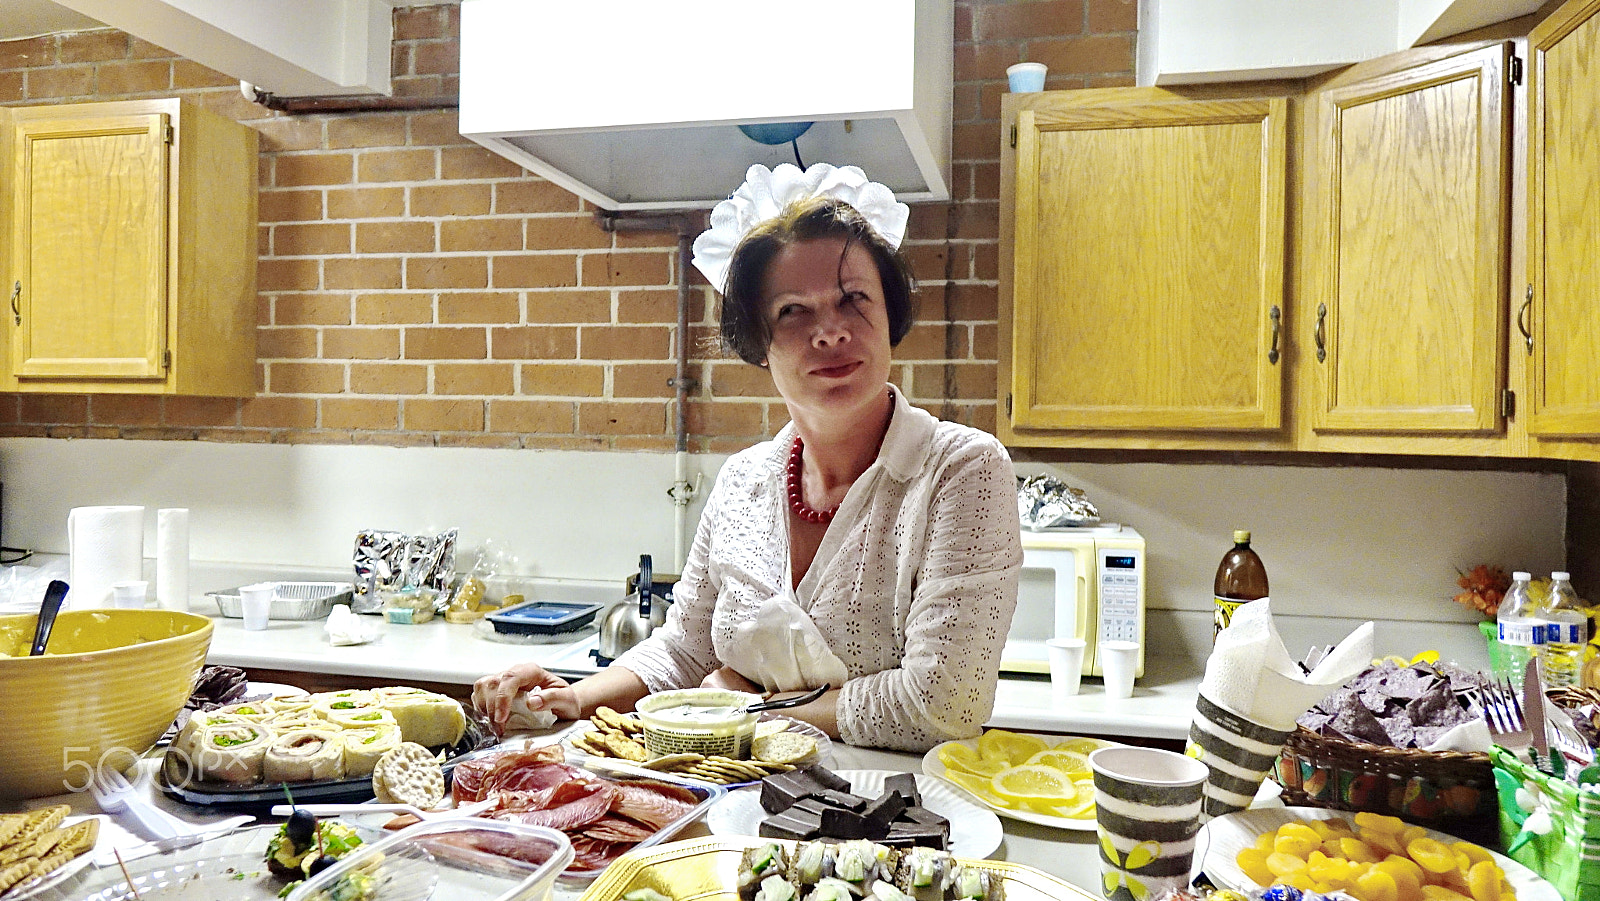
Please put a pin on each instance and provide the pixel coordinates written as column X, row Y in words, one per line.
column 1405, row 255
column 1142, row 270
column 132, row 250
column 1562, row 312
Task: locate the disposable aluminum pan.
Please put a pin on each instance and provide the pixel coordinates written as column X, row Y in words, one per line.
column 295, row 600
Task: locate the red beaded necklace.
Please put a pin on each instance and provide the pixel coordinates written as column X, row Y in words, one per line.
column 797, row 500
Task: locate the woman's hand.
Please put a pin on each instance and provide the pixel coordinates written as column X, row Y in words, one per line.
column 729, row 679
column 493, row 694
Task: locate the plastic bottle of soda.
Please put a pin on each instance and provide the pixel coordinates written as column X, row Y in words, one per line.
column 1241, row 578
column 1566, row 631
column 1520, row 630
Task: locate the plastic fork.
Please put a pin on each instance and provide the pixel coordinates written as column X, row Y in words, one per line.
column 333, row 810
column 1502, row 711
column 115, row 794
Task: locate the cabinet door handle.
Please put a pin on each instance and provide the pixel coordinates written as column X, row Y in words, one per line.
column 1276, row 316
column 1321, row 334
column 16, row 298
column 1522, row 320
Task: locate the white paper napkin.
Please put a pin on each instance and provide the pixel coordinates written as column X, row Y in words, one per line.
column 346, row 628
column 106, row 545
column 1250, row 673
column 782, row 649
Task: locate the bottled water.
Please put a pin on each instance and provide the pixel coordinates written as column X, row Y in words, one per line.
column 1566, row 632
column 1521, row 630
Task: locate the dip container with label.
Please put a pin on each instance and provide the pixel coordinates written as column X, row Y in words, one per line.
column 709, row 721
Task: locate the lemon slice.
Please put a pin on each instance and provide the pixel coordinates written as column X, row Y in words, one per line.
column 1010, row 747
column 962, row 758
column 1080, row 808
column 978, row 786
column 1080, row 745
column 1070, row 762
column 1031, row 783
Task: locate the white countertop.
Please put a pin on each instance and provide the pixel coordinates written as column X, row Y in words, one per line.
column 451, row 653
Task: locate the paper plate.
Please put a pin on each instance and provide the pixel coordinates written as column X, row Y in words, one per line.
column 933, row 766
column 1223, row 838
column 974, row 832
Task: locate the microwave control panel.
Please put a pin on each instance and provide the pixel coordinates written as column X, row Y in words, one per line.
column 1120, row 574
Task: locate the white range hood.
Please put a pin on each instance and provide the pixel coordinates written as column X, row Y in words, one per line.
column 635, row 104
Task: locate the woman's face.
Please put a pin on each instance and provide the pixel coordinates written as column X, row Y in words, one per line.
column 830, row 327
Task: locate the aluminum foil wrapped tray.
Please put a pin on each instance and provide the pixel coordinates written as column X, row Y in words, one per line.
column 295, row 600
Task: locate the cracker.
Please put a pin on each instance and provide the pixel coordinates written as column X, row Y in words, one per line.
column 79, row 837
column 626, row 748
column 783, row 747
column 46, row 865
column 609, row 719
column 409, row 774
column 10, row 825
column 593, row 743
column 41, row 821
column 12, row 874
column 671, row 762
column 771, row 727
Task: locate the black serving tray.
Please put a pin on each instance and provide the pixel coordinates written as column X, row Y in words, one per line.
column 544, row 617
column 173, row 777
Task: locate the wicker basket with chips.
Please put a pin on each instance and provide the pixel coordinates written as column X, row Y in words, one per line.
column 1452, row 791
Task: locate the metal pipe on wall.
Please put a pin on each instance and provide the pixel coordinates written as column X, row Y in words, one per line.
column 682, row 491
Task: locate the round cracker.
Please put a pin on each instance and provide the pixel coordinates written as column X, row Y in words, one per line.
column 409, row 774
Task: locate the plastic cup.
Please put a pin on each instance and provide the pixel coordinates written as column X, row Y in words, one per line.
column 128, row 594
column 1118, row 660
column 256, row 601
column 1025, row 78
column 1147, row 805
column 1066, row 666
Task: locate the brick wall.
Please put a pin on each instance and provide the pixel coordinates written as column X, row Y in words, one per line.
column 416, row 289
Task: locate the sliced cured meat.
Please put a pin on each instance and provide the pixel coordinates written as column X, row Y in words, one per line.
column 613, row 828
column 593, row 854
column 529, row 777
column 473, row 780
column 466, row 780
column 568, row 807
column 653, row 804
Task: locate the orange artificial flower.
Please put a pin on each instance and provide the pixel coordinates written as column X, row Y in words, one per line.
column 1485, row 585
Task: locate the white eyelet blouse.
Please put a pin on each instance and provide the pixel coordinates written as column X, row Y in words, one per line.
column 913, row 586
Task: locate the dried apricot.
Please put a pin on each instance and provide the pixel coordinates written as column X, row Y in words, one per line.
column 1406, row 874
column 1376, row 885
column 1253, row 863
column 1356, row 849
column 1483, row 881
column 1297, row 839
column 1431, row 855
column 1440, row 893
column 1383, row 842
column 1475, row 853
column 1283, row 865
column 1377, row 822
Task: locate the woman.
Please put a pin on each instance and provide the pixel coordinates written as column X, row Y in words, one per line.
column 869, row 546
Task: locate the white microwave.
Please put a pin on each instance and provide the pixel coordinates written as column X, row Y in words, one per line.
column 1088, row 583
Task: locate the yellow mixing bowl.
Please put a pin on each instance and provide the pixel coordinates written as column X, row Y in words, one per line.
column 108, row 686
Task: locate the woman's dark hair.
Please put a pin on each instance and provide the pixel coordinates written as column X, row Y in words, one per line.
column 745, row 330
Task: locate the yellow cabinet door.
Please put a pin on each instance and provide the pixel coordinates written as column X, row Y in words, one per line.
column 1564, row 222
column 1409, row 249
column 1146, row 284
column 90, row 243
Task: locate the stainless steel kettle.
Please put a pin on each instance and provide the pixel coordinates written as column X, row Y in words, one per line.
column 631, row 620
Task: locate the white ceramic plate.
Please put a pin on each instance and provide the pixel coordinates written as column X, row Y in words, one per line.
column 933, row 766
column 1224, row 837
column 824, row 748
column 63, row 873
column 974, row 832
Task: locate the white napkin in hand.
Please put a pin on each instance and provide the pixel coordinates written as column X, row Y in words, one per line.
column 525, row 719
column 346, row 628
column 1251, row 673
column 782, row 649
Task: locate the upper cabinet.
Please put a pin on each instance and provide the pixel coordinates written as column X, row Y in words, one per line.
column 132, row 250
column 1142, row 299
column 1406, row 253
column 1563, row 295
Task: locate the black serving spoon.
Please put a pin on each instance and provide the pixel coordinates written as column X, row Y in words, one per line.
column 53, row 596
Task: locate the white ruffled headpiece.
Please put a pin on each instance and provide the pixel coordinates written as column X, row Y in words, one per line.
column 766, row 192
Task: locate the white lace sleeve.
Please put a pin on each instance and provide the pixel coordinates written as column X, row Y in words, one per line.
column 961, row 607
column 679, row 654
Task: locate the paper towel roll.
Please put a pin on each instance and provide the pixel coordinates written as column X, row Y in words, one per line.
column 172, row 559
column 106, row 545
